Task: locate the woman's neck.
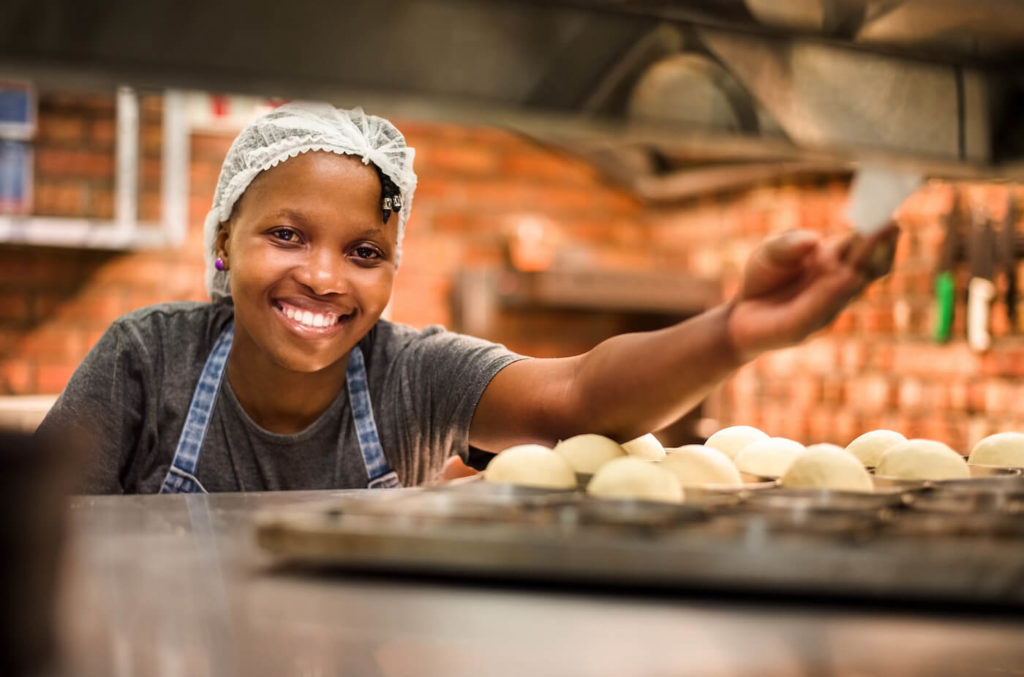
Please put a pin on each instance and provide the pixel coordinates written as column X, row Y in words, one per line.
column 278, row 399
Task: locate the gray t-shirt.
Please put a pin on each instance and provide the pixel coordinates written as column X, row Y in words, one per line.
column 132, row 392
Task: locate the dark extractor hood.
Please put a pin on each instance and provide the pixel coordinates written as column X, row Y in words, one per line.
column 672, row 97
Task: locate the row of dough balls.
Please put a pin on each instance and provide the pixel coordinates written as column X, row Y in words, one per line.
column 638, row 469
column 644, row 469
column 887, row 451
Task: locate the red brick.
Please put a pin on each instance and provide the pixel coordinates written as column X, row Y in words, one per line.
column 881, row 356
column 870, row 393
column 210, row 147
column 910, row 395
column 53, row 162
column 549, row 166
column 847, row 426
column 958, row 395
column 804, row 391
column 101, row 203
column 198, row 206
column 150, row 207
column 875, row 319
column 853, row 356
column 976, row 396
column 96, row 308
column 52, row 377
column 134, row 299
column 58, row 199
column 34, row 267
column 458, row 160
column 820, row 427
column 17, row 377
column 150, row 171
column 151, row 139
column 582, row 200
column 102, row 133
column 202, row 178
column 832, row 391
column 146, row 270
column 844, row 322
column 96, row 103
column 999, row 324
column 14, row 305
column 51, row 343
column 419, row 134
column 151, row 107
column 60, row 129
column 1000, row 397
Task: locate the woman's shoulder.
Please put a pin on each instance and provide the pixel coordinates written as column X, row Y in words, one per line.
column 176, row 322
column 393, row 339
column 390, row 335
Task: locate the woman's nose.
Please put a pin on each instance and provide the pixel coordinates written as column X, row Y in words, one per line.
column 323, row 272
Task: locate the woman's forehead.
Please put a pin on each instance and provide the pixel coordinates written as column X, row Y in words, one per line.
column 319, row 166
column 320, row 176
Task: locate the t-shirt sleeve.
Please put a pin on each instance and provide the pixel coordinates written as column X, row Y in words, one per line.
column 101, row 411
column 442, row 376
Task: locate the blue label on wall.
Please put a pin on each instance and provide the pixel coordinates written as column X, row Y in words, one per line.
column 15, row 176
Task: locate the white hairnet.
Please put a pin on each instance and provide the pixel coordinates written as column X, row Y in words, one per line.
column 296, row 128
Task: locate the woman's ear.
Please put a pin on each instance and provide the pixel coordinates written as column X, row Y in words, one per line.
column 222, row 242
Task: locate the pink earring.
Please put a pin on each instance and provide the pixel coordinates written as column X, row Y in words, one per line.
column 219, row 263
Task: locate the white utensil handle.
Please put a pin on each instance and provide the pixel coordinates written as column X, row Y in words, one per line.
column 980, row 293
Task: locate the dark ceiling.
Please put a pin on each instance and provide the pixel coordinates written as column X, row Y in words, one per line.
column 652, row 89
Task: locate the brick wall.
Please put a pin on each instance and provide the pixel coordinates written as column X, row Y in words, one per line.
column 875, row 367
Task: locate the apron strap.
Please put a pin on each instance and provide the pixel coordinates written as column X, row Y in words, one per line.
column 181, row 478
column 377, row 469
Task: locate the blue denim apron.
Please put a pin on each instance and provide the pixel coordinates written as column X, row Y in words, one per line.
column 181, row 478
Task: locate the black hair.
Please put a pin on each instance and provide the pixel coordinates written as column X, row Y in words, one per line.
column 390, row 195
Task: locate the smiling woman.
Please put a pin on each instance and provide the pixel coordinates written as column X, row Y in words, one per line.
column 290, row 379
column 312, row 267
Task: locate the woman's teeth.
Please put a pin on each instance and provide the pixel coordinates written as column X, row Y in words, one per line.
column 309, row 319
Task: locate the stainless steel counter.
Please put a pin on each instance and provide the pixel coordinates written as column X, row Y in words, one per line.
column 175, row 585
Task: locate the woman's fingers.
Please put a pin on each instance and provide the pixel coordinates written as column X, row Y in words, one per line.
column 872, row 256
column 778, row 261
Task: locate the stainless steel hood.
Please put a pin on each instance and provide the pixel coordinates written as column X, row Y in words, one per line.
column 671, row 97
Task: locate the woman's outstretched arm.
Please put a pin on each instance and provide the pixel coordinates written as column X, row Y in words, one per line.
column 793, row 285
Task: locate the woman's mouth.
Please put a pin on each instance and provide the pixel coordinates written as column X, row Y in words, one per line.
column 309, row 321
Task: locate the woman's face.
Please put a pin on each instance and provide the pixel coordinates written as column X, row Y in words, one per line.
column 312, row 262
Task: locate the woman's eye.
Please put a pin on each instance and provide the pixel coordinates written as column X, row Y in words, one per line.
column 285, row 234
column 368, row 253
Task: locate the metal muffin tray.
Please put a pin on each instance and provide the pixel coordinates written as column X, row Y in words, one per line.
column 947, row 541
column 978, row 473
column 1003, row 494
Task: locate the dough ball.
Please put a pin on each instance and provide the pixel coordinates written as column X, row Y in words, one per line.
column 1002, row 449
column 586, row 453
column 632, row 477
column 531, row 465
column 733, row 439
column 827, row 466
column 869, row 446
column 646, row 446
column 769, row 457
column 696, row 465
column 922, row 460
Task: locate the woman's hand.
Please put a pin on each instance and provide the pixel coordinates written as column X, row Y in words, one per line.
column 631, row 384
column 796, row 283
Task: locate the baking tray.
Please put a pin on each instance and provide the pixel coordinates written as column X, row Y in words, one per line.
column 815, row 544
column 979, row 473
